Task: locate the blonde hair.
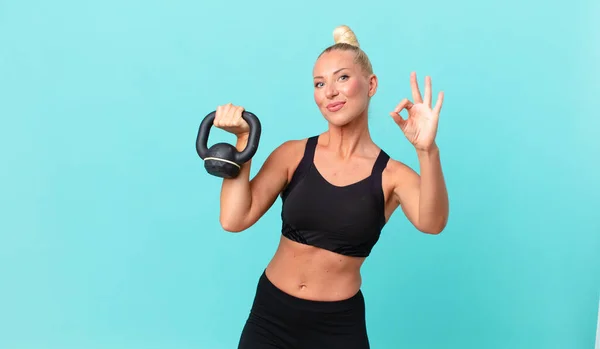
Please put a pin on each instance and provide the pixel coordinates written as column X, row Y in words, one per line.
column 345, row 40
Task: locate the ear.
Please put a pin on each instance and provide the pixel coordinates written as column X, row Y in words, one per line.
column 372, row 84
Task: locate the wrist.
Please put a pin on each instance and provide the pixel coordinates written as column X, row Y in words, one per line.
column 242, row 140
column 430, row 150
column 243, row 136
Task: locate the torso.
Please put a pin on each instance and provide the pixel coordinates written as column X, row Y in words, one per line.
column 315, row 273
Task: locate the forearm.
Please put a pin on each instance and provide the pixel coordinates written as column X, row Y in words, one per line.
column 433, row 196
column 236, row 195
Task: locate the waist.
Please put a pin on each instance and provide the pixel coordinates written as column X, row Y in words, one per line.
column 283, row 304
column 312, row 273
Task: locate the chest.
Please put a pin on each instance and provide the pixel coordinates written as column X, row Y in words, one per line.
column 342, row 173
column 315, row 203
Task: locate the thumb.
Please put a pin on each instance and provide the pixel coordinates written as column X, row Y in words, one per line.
column 404, row 104
column 398, row 119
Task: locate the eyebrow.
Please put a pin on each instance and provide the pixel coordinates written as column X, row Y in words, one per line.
column 335, row 72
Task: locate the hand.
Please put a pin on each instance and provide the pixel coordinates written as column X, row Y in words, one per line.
column 420, row 127
column 229, row 118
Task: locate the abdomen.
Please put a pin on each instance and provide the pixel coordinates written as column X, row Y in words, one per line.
column 313, row 273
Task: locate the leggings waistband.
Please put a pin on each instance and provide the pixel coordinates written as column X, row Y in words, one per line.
column 267, row 286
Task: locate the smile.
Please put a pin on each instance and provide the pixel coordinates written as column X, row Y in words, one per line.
column 335, row 106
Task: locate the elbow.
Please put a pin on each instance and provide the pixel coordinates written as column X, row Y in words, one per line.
column 231, row 225
column 435, row 227
column 433, row 231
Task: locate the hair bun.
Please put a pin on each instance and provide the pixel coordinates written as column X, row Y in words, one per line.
column 343, row 34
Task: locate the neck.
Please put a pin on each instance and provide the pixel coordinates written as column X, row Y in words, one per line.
column 348, row 139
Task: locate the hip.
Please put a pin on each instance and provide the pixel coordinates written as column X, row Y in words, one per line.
column 283, row 320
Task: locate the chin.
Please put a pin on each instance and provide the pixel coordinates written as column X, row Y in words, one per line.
column 339, row 118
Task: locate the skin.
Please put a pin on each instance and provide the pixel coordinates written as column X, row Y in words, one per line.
column 345, row 154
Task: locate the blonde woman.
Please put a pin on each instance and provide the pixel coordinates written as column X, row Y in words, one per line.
column 338, row 190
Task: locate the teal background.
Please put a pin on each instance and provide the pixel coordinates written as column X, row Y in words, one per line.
column 109, row 232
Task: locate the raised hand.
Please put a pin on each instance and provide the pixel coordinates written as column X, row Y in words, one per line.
column 420, row 127
column 229, row 118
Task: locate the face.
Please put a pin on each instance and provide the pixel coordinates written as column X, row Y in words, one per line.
column 342, row 89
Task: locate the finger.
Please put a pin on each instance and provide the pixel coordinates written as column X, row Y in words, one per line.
column 404, row 104
column 438, row 105
column 218, row 116
column 416, row 94
column 427, row 100
column 230, row 114
column 238, row 116
column 398, row 119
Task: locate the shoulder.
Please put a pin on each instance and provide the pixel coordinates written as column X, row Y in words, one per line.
column 288, row 153
column 397, row 167
column 400, row 174
column 290, row 148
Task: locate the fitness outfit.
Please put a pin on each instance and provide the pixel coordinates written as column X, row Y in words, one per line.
column 343, row 219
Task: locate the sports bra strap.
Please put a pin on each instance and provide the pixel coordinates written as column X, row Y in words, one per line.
column 377, row 179
column 309, row 150
column 305, row 163
column 380, row 163
column 309, row 154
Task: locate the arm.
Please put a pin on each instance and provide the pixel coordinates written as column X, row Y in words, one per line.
column 244, row 201
column 424, row 199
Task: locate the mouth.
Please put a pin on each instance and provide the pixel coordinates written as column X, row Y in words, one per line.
column 335, row 106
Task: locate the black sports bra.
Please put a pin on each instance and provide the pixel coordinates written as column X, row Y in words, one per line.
column 344, row 219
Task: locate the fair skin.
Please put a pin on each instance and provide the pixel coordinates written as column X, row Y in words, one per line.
column 345, row 154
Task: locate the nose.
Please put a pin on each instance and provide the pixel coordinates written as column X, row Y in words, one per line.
column 330, row 91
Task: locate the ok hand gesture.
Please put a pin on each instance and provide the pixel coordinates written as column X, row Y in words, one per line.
column 420, row 127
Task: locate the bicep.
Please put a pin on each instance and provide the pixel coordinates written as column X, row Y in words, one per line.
column 406, row 192
column 269, row 182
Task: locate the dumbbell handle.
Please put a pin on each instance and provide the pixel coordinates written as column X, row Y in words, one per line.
column 240, row 157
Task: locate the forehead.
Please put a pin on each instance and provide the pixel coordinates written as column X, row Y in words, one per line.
column 332, row 61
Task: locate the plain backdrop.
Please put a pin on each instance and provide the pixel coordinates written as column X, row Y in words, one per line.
column 109, row 231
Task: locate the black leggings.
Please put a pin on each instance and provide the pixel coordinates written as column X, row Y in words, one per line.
column 280, row 320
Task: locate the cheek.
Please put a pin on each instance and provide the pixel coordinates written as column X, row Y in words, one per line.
column 320, row 96
column 353, row 88
column 317, row 95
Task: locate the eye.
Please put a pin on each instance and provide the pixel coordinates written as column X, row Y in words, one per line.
column 318, row 84
column 344, row 77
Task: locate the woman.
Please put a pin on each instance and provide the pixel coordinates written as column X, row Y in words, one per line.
column 338, row 190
